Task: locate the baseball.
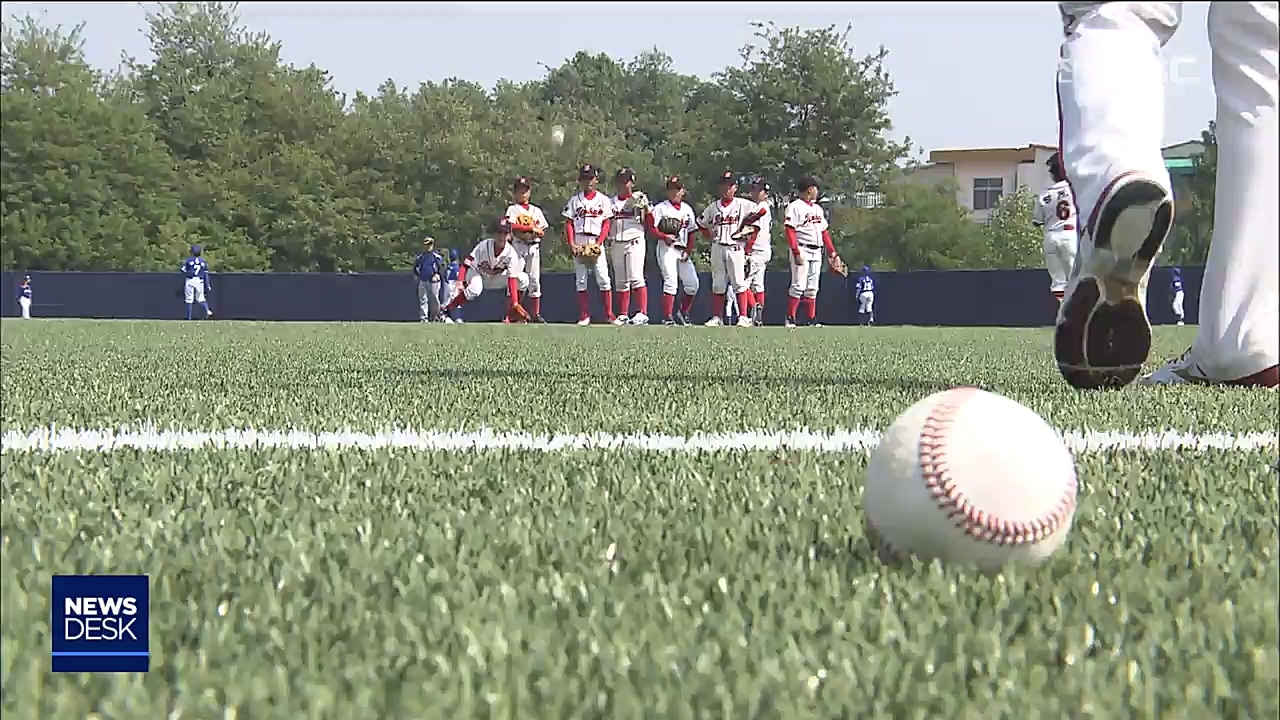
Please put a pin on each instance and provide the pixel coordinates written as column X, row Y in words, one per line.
column 557, row 135
column 970, row 478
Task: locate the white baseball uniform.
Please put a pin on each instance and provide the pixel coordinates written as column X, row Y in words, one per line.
column 1055, row 211
column 589, row 215
column 626, row 245
column 673, row 260
column 728, row 258
column 809, row 222
column 489, row 269
column 761, row 251
column 1112, row 101
column 530, row 252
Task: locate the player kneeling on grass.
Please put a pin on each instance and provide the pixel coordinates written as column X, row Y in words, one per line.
column 493, row 264
column 672, row 221
column 529, row 225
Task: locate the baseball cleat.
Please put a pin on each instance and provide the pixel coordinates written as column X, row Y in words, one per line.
column 714, row 322
column 538, row 319
column 791, row 322
column 1182, row 371
column 1103, row 335
column 744, row 321
column 584, row 322
column 446, row 320
column 669, row 321
column 681, row 320
column 639, row 319
column 620, row 320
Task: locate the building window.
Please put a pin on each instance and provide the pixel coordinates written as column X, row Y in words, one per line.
column 987, row 192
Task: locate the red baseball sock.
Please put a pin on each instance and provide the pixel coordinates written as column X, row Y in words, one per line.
column 668, row 304
column 624, row 301
column 744, row 302
column 456, row 302
column 811, row 308
column 513, row 292
column 686, row 304
column 606, row 298
column 717, row 304
column 751, row 303
column 759, row 298
column 642, row 299
column 535, row 306
column 793, row 306
column 584, row 310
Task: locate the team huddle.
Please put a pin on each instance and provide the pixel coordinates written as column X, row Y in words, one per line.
column 607, row 236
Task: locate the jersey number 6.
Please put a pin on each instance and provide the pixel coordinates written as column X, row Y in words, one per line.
column 1063, row 210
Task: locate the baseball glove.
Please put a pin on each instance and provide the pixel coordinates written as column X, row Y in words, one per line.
column 588, row 252
column 526, row 221
column 670, row 225
column 743, row 233
column 838, row 267
column 517, row 314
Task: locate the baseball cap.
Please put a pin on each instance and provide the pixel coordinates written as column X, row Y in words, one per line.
column 521, row 182
column 675, row 183
column 428, row 241
column 728, row 178
column 806, row 182
column 625, row 174
column 760, row 184
column 587, row 171
column 501, row 226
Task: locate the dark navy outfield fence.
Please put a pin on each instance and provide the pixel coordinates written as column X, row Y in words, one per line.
column 1009, row 298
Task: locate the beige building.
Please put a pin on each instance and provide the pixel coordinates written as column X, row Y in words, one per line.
column 985, row 175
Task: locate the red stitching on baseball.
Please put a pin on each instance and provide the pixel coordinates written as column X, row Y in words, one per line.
column 959, row 509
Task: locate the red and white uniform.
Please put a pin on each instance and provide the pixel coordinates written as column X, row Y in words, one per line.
column 530, row 252
column 761, row 251
column 590, row 214
column 488, row 268
column 1055, row 211
column 626, row 245
column 719, row 221
column 807, row 236
column 674, row 260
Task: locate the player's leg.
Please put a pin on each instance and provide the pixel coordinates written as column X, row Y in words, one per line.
column 202, row 298
column 1178, row 310
column 424, row 289
column 25, row 304
column 810, row 301
column 606, row 287
column 433, row 301
column 1058, row 265
column 581, row 271
column 737, row 266
column 621, row 280
column 668, row 258
column 189, row 297
column 799, row 278
column 719, row 284
column 472, row 287
column 1238, row 340
column 870, row 302
column 690, row 283
column 639, row 288
column 1112, row 123
column 533, row 268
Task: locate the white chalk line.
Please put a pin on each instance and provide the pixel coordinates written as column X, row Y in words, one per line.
column 57, row 439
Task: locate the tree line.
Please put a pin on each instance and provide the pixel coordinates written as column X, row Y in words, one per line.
column 217, row 141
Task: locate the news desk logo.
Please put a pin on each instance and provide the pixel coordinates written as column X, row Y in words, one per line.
column 101, row 623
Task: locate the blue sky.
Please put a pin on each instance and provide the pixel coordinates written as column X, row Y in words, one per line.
column 968, row 74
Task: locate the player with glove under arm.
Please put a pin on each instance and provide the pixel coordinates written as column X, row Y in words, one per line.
column 528, row 227
column 626, row 246
column 493, row 264
column 672, row 222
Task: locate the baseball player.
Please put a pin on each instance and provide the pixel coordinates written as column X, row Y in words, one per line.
column 587, row 216
column 528, row 240
column 673, row 251
column 1175, row 286
column 24, row 297
column 195, row 283
column 761, row 249
column 626, row 245
column 719, row 223
column 807, row 236
column 493, row 264
column 865, row 289
column 427, row 268
column 1055, row 213
column 1111, row 97
column 452, row 276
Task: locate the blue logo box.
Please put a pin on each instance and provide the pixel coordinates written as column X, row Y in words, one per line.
column 101, row 623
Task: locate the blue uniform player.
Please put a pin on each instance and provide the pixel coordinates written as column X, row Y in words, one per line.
column 1175, row 286
column 24, row 297
column 451, row 277
column 864, row 288
column 428, row 268
column 195, row 283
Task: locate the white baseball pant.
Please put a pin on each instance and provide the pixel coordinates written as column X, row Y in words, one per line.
column 676, row 267
column 866, row 303
column 1113, row 122
column 582, row 269
column 531, row 255
column 806, row 273
column 731, row 305
column 1178, row 309
column 1059, row 256
column 193, row 290
column 478, row 282
column 728, row 268
column 25, row 304
column 628, row 264
column 757, row 262
column 428, row 300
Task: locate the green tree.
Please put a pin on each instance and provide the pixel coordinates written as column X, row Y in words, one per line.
column 1189, row 244
column 919, row 227
column 1013, row 241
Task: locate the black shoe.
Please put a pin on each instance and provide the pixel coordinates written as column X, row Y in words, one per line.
column 680, row 319
column 538, row 319
column 1103, row 336
column 669, row 321
column 791, row 321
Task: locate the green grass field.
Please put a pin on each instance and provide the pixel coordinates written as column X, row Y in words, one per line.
column 513, row 522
